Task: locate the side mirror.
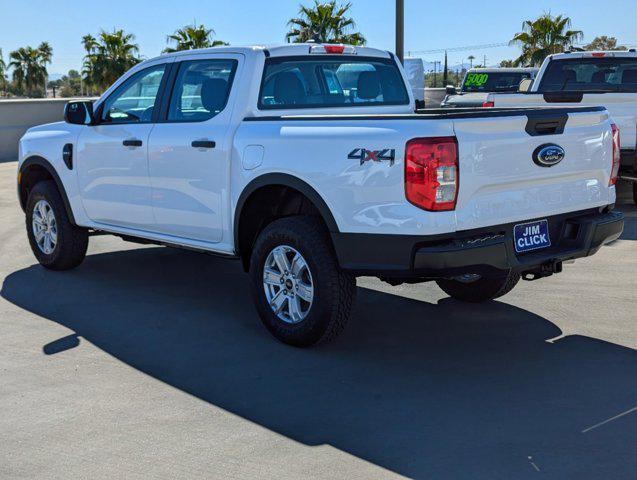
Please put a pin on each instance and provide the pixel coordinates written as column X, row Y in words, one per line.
column 79, row 113
column 451, row 90
column 525, row 85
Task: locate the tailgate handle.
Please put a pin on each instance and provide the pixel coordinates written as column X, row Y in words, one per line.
column 546, row 128
column 563, row 97
column 545, row 124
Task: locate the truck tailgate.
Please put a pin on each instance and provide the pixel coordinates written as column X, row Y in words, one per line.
column 499, row 178
column 621, row 106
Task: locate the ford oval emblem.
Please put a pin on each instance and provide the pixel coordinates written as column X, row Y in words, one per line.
column 548, row 155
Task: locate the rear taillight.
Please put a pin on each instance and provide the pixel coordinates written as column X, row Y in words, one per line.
column 616, row 155
column 488, row 105
column 431, row 173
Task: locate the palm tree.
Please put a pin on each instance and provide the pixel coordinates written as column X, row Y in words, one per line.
column 191, row 37
column 29, row 68
column 544, row 36
column 3, row 74
column 471, row 58
column 108, row 57
column 90, row 44
column 46, row 52
column 325, row 22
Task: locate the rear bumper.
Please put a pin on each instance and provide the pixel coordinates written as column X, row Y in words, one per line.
column 573, row 235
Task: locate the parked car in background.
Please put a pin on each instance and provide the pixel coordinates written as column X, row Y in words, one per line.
column 479, row 82
column 606, row 78
column 310, row 164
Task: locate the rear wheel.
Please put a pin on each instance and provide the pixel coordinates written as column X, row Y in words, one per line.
column 301, row 294
column 55, row 241
column 476, row 289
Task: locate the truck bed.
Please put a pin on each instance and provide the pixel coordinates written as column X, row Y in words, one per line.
column 498, row 179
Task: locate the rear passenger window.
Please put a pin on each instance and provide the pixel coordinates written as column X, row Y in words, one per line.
column 315, row 82
column 201, row 90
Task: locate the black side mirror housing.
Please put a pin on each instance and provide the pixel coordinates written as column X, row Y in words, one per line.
column 79, row 113
column 451, row 90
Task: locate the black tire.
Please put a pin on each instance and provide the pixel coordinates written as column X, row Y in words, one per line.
column 72, row 241
column 334, row 290
column 481, row 290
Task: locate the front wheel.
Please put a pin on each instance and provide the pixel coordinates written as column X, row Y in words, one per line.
column 476, row 289
column 55, row 241
column 301, row 294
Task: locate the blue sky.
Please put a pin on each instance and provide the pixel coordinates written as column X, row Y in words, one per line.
column 429, row 24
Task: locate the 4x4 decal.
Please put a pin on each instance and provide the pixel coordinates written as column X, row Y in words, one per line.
column 364, row 155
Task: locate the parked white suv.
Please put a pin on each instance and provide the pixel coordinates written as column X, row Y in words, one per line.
column 280, row 158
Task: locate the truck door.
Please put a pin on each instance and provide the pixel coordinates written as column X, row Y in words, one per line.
column 190, row 148
column 112, row 156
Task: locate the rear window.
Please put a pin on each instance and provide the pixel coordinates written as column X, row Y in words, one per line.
column 590, row 74
column 316, row 82
column 493, row 81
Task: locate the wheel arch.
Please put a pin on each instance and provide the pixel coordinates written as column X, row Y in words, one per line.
column 291, row 195
column 36, row 169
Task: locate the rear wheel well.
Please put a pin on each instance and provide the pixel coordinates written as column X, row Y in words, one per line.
column 265, row 205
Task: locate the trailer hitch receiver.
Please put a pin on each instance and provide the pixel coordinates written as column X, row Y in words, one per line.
column 545, row 270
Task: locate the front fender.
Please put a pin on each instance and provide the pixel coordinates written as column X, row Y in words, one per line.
column 23, row 174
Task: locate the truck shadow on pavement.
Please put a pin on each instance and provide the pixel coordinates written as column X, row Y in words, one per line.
column 426, row 390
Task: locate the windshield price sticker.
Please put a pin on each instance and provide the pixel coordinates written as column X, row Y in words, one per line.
column 476, row 79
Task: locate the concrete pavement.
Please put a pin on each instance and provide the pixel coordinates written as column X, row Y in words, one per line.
column 148, row 362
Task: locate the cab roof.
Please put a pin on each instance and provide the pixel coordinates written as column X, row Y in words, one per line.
column 504, row 70
column 595, row 54
column 287, row 50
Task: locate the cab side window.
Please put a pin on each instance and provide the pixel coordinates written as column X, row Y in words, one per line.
column 135, row 100
column 201, row 90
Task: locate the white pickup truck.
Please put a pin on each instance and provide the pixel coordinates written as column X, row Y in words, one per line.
column 310, row 164
column 588, row 78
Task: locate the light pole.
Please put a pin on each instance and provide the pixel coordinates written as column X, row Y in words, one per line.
column 436, row 63
column 400, row 30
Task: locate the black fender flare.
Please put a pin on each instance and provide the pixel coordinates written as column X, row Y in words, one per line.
column 285, row 180
column 44, row 163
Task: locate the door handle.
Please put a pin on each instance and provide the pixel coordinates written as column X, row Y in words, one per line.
column 132, row 143
column 203, row 144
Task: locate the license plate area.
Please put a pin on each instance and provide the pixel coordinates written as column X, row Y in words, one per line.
column 531, row 236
